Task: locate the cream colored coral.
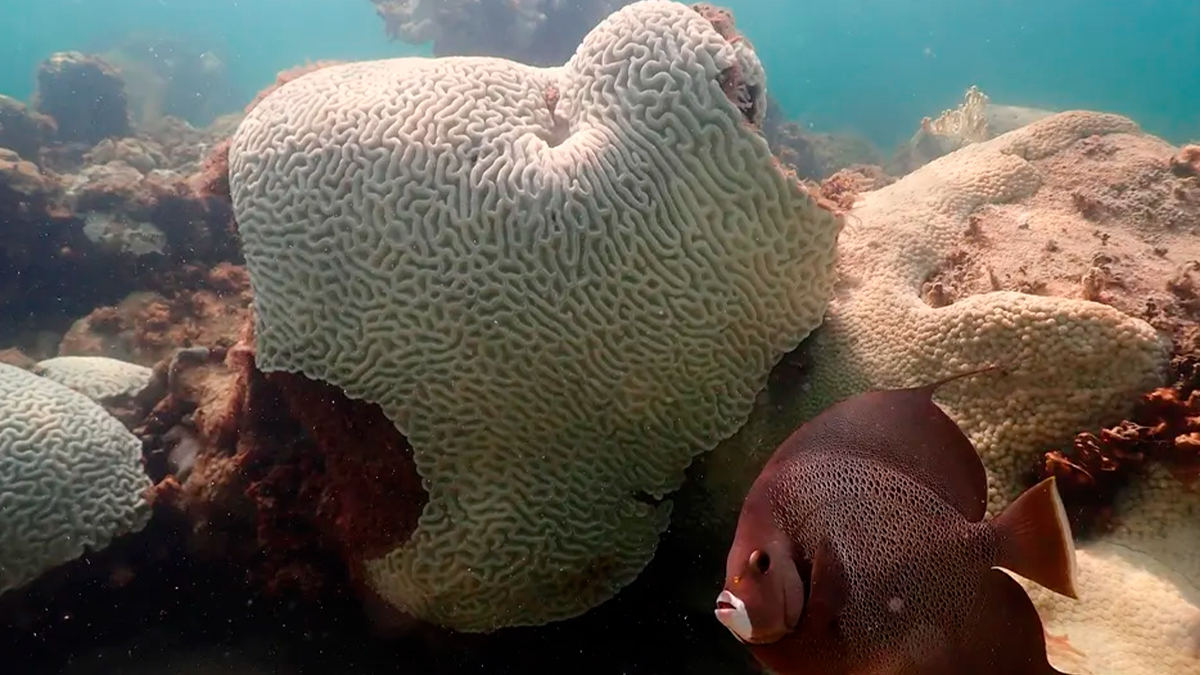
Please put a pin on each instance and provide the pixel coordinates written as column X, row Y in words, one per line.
column 1139, row 606
column 561, row 285
column 99, row 378
column 968, row 122
column 1072, row 364
column 71, row 477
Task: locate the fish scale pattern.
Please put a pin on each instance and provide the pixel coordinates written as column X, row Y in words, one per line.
column 560, row 284
column 71, row 477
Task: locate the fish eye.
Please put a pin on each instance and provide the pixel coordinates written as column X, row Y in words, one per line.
column 761, row 560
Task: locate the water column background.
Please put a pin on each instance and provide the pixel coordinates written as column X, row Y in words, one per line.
column 874, row 67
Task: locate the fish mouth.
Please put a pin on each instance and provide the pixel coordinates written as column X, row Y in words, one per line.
column 731, row 612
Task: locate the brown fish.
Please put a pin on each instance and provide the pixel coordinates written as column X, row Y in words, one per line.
column 861, row 549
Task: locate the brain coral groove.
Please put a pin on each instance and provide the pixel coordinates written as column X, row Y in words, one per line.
column 560, row 284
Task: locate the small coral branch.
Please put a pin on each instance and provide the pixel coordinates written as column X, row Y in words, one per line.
column 967, row 122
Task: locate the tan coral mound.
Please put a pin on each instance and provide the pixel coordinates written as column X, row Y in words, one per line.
column 1139, row 606
column 561, row 285
column 908, row 308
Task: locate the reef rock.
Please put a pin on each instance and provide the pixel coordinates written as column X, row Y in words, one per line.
column 84, row 95
column 583, row 320
column 147, row 327
column 22, row 130
column 527, row 31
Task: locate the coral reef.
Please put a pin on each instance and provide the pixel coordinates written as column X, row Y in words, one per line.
column 85, row 96
column 125, row 390
column 968, row 278
column 88, row 228
column 1163, row 432
column 205, row 308
column 528, row 371
column 286, row 476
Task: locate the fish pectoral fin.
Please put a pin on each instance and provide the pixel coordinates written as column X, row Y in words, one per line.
column 1006, row 637
column 828, row 588
column 1035, row 539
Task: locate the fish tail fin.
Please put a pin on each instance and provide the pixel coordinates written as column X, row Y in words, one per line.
column 1035, row 539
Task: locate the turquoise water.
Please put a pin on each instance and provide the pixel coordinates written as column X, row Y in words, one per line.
column 878, row 66
column 871, row 66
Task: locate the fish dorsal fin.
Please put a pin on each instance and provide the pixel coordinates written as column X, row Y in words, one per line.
column 905, row 430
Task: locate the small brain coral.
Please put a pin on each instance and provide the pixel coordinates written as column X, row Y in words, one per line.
column 99, row 378
column 71, row 477
column 560, row 284
column 908, row 309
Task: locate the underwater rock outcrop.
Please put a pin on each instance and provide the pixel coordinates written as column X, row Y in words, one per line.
column 85, row 96
column 71, row 477
column 534, row 32
column 87, row 226
column 581, row 322
column 22, row 130
column 202, row 308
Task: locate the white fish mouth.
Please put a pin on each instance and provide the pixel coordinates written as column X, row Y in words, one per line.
column 731, row 612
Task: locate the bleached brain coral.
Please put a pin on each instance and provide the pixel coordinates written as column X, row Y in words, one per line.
column 71, row 477
column 899, row 319
column 97, row 377
column 560, row 284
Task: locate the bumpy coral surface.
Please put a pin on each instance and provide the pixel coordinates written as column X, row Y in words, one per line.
column 71, row 477
column 904, row 314
column 1164, row 429
column 560, row 284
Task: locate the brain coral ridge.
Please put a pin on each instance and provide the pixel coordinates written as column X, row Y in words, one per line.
column 71, row 477
column 1071, row 363
column 561, row 284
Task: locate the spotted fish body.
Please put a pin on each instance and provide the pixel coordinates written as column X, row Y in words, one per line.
column 882, row 562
